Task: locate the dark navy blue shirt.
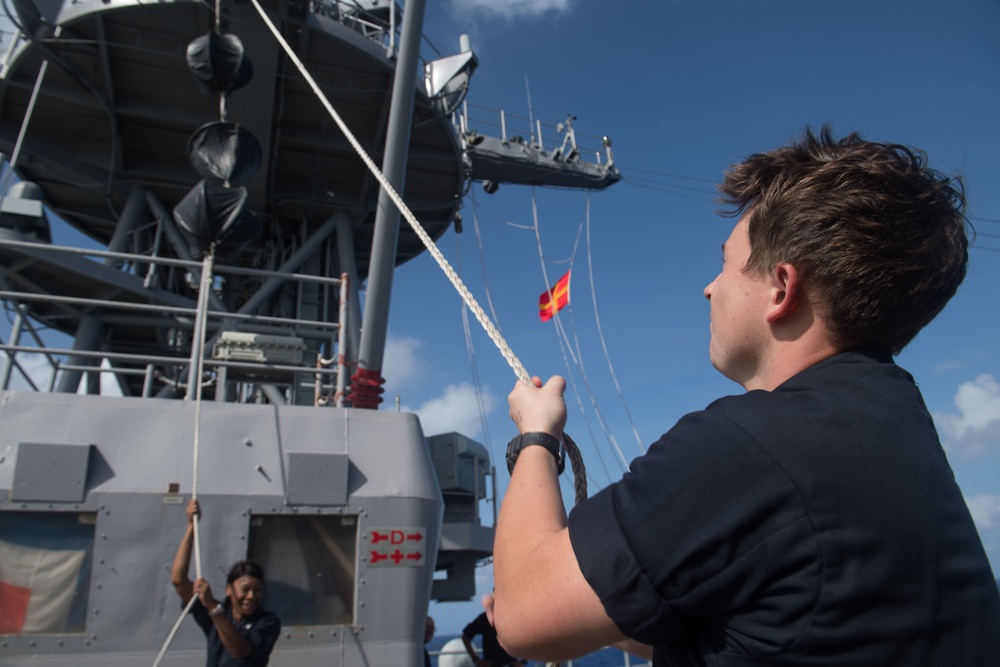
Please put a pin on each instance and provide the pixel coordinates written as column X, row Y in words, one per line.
column 261, row 629
column 818, row 524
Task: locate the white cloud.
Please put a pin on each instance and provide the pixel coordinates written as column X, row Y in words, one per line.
column 456, row 410
column 975, row 430
column 510, row 9
column 985, row 511
column 949, row 366
column 402, row 362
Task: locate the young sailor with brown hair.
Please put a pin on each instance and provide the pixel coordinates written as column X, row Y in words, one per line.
column 812, row 520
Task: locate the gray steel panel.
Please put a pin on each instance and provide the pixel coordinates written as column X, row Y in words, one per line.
column 317, row 479
column 141, row 447
column 50, row 473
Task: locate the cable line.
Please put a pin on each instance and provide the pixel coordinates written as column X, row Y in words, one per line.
column 600, row 334
column 564, row 346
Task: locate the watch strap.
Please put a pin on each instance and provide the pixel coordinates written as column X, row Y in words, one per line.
column 545, row 440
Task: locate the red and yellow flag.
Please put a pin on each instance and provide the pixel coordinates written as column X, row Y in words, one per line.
column 553, row 300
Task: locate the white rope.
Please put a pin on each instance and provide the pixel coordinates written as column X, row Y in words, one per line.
column 173, row 631
column 200, row 320
column 463, row 291
column 194, row 380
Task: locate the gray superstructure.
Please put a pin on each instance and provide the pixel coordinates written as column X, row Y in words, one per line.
column 350, row 509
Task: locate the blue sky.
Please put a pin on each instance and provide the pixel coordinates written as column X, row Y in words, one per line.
column 684, row 89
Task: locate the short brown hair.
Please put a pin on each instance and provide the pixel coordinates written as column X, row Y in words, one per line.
column 878, row 235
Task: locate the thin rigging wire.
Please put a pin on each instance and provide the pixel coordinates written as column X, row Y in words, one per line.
column 563, row 348
column 574, row 358
column 471, row 351
column 670, row 175
column 676, row 190
column 578, row 361
column 600, row 333
column 482, row 263
column 578, row 358
column 561, row 332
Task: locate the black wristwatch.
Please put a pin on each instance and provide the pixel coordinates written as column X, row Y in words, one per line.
column 523, row 440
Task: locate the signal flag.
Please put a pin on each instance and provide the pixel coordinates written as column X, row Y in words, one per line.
column 553, row 300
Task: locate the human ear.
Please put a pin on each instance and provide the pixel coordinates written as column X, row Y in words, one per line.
column 786, row 290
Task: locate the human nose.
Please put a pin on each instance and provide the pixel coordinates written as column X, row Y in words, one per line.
column 708, row 289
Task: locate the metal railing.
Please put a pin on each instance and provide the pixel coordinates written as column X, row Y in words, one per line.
column 328, row 377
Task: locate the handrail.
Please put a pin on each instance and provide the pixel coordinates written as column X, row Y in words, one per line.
column 169, row 261
column 157, row 308
column 146, row 307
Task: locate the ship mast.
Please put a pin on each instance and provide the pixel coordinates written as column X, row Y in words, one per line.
column 367, row 381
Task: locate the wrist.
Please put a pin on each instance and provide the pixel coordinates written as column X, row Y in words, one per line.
column 536, row 438
column 217, row 610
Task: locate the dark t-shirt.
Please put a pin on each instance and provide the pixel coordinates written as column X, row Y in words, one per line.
column 492, row 650
column 817, row 524
column 261, row 629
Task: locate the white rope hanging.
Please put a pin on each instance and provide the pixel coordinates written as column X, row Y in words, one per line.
column 194, row 388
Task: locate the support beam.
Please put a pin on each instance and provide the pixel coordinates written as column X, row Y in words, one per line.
column 366, row 384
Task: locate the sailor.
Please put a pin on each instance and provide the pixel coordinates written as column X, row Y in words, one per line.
column 240, row 632
column 813, row 519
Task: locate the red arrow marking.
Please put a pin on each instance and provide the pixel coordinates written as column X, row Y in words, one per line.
column 413, row 556
column 376, row 557
column 415, row 537
column 378, row 537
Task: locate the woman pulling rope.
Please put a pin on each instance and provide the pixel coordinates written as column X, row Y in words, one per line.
column 239, row 631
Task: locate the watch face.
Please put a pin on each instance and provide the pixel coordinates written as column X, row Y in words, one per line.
column 513, row 449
